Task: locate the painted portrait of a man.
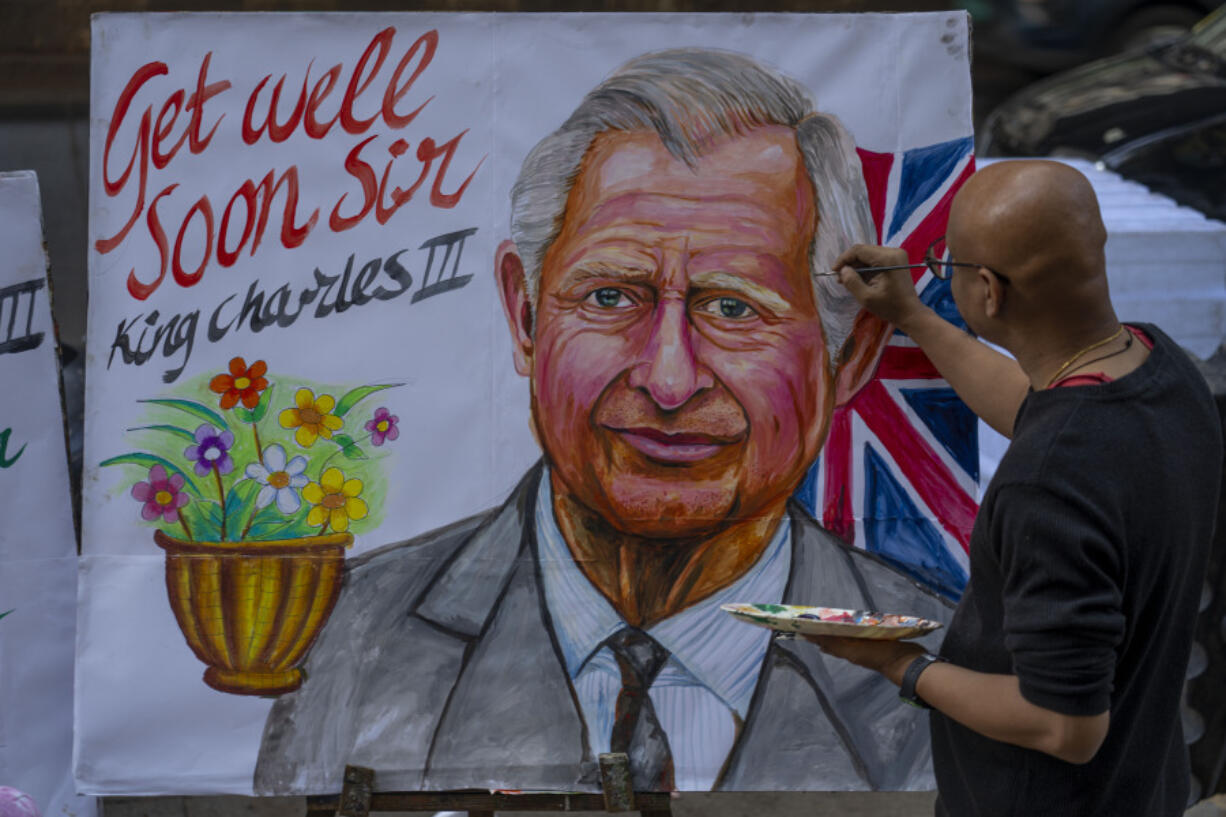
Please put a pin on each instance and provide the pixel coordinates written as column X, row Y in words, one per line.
column 664, row 295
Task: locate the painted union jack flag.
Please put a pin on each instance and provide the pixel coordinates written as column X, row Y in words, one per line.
column 899, row 474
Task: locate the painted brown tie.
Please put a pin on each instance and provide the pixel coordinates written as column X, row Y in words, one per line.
column 636, row 731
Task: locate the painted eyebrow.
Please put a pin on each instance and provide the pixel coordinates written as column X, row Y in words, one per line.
column 600, row 269
column 724, row 280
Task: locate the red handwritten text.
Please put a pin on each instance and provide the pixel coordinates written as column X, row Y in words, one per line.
column 371, row 99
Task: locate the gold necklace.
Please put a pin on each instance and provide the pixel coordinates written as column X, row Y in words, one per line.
column 1089, row 348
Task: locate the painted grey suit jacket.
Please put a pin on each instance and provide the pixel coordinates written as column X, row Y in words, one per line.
column 439, row 669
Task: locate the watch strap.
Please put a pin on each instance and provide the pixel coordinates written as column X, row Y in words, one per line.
column 910, row 677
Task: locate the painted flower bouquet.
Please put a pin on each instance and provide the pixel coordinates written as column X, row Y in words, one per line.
column 256, row 501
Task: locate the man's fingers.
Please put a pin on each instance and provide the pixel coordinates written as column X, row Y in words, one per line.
column 856, row 285
column 868, row 255
column 859, row 255
column 829, row 643
column 847, row 259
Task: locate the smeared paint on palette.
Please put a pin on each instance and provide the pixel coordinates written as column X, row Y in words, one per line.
column 832, row 621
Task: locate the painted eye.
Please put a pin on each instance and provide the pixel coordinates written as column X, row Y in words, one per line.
column 610, row 298
column 726, row 307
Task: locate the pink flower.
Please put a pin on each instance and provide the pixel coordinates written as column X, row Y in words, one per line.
column 14, row 803
column 383, row 426
column 163, row 495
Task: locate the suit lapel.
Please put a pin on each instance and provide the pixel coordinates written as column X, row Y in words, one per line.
column 512, row 711
column 800, row 732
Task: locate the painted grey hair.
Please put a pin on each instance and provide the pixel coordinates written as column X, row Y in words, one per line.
column 688, row 96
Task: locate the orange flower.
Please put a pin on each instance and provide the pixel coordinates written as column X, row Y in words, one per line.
column 242, row 383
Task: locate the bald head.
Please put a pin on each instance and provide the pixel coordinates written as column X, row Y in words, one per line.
column 1038, row 223
column 1033, row 218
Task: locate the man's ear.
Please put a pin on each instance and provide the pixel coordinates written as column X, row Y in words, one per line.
column 993, row 292
column 857, row 359
column 516, row 304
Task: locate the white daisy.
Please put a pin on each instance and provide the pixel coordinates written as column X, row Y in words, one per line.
column 281, row 480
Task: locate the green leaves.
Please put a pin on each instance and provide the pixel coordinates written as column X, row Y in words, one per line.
column 175, row 430
column 204, row 518
column 172, row 425
column 351, row 398
column 148, row 461
column 349, row 448
column 193, row 408
column 270, row 524
column 238, row 503
column 256, row 414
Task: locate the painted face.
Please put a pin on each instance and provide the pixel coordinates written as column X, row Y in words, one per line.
column 679, row 368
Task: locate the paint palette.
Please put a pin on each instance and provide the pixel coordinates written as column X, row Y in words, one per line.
column 791, row 618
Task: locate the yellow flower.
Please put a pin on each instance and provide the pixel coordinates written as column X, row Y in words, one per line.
column 312, row 417
column 335, row 500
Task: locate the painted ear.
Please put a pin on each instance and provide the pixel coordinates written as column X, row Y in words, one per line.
column 516, row 304
column 857, row 359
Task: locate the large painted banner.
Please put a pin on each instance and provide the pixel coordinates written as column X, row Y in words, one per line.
column 38, row 545
column 448, row 372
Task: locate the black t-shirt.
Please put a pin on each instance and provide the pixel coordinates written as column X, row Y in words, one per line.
column 1087, row 563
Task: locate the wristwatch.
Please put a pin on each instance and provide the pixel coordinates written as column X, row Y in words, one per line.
column 906, row 690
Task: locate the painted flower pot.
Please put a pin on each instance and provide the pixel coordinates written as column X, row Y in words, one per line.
column 251, row 610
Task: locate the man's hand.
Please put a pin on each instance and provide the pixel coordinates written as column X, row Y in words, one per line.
column 990, row 383
column 990, row 704
column 890, row 658
column 890, row 295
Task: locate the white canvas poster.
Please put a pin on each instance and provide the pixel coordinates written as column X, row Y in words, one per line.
column 38, row 550
column 432, row 356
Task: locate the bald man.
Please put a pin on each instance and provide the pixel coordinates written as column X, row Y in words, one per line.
column 1057, row 691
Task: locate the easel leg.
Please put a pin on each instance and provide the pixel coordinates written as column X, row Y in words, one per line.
column 357, row 797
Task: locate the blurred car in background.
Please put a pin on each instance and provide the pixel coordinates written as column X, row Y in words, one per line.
column 1156, row 115
column 1052, row 35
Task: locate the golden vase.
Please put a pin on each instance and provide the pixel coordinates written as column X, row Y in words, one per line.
column 251, row 610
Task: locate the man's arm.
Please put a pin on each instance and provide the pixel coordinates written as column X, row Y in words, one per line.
column 992, row 384
column 990, row 704
column 1062, row 623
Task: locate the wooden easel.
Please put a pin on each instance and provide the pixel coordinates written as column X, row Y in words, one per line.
column 358, row 798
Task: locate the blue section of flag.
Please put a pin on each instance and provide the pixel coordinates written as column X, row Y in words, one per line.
column 950, row 421
column 923, row 171
column 940, row 297
column 806, row 492
column 899, row 533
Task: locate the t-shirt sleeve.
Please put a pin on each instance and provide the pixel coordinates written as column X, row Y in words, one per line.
column 1062, row 598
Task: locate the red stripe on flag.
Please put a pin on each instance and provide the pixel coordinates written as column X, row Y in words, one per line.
column 933, row 225
column 837, row 515
column 905, row 363
column 876, row 167
column 932, row 480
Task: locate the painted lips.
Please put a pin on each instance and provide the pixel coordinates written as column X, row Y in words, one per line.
column 677, row 448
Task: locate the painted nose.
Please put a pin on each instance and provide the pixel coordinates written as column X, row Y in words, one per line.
column 668, row 369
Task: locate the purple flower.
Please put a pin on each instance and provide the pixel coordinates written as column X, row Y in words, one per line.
column 383, row 426
column 163, row 495
column 212, row 450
